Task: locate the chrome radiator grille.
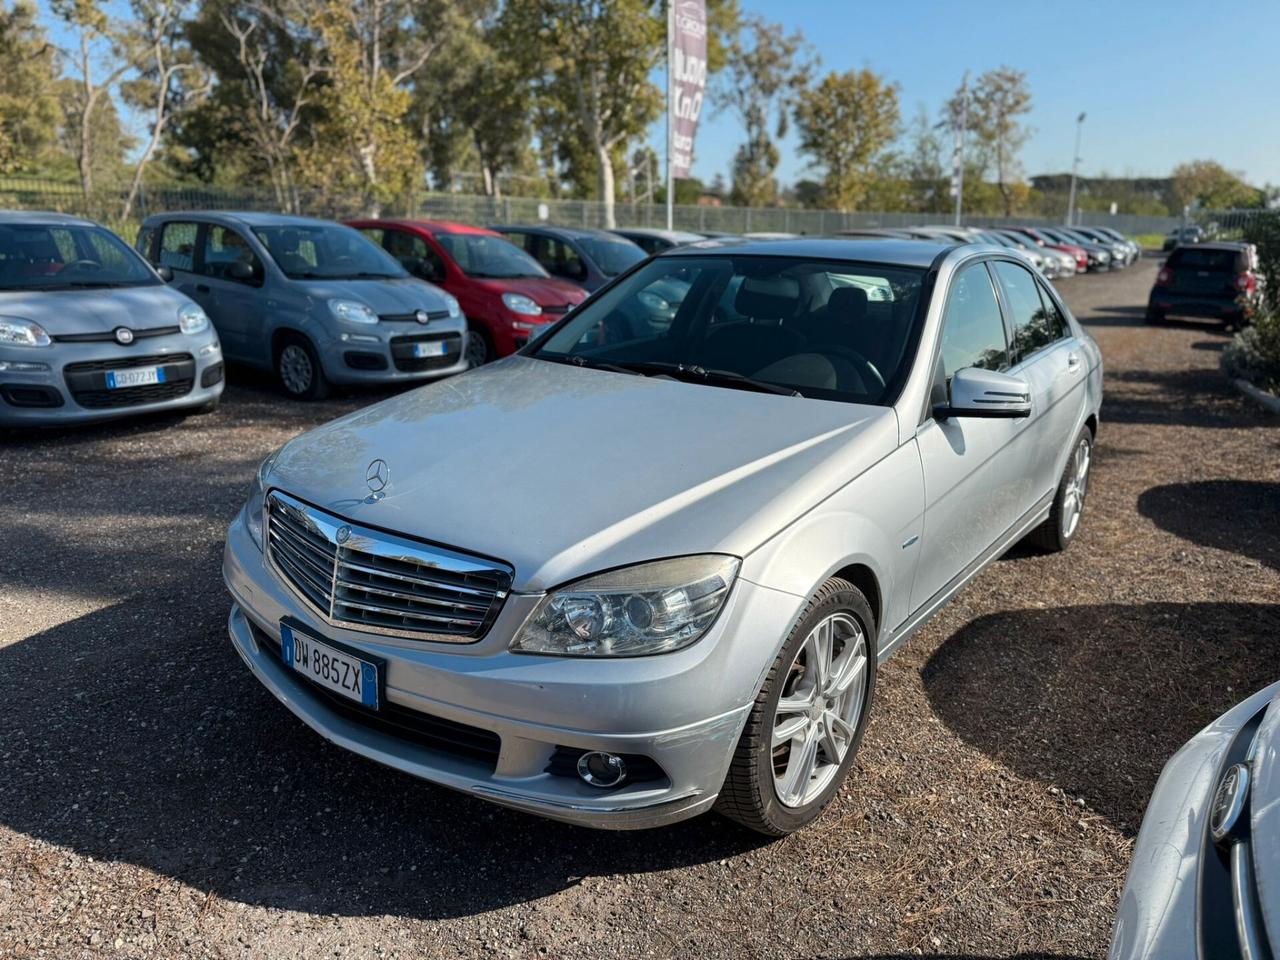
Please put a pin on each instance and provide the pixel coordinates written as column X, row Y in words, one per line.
column 377, row 582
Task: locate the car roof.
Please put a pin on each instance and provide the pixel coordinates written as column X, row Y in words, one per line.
column 248, row 218
column 557, row 231
column 906, row 253
column 658, row 232
column 431, row 226
column 43, row 218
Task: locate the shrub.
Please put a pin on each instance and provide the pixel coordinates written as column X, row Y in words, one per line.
column 1254, row 353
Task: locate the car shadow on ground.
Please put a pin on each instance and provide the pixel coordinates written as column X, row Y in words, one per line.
column 1247, row 524
column 135, row 734
column 1191, row 398
column 1094, row 699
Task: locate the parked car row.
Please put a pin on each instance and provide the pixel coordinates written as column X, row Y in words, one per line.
column 321, row 304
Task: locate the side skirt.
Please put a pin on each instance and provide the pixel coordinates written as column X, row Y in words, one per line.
column 1028, row 522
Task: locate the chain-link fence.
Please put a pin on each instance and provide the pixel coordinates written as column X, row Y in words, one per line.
column 23, row 194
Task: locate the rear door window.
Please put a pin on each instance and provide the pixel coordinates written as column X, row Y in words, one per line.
column 178, row 246
column 1034, row 325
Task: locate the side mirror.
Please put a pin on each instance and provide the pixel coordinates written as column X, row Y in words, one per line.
column 241, row 272
column 976, row 392
column 165, row 271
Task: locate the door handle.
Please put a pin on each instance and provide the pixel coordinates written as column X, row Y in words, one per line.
column 202, row 288
column 1073, row 362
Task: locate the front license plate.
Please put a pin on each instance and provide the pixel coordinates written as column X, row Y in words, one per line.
column 331, row 668
column 137, row 377
column 432, row 348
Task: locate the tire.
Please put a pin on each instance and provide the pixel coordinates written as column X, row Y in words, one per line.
column 298, row 369
column 1154, row 316
column 752, row 794
column 1057, row 532
column 479, row 347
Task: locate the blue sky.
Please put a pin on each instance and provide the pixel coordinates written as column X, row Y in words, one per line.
column 1161, row 82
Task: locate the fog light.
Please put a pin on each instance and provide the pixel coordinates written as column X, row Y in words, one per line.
column 359, row 338
column 22, row 366
column 602, row 770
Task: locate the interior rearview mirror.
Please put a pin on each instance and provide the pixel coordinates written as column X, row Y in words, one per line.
column 976, row 392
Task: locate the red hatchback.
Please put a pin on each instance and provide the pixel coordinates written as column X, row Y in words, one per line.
column 506, row 295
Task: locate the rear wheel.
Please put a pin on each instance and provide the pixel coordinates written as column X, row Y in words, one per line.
column 807, row 721
column 1154, row 316
column 298, row 369
column 1057, row 532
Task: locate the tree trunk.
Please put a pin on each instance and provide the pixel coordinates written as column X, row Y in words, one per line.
column 157, row 130
column 604, row 179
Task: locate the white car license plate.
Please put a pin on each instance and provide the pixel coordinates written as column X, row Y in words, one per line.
column 346, row 675
column 431, row 348
column 137, row 377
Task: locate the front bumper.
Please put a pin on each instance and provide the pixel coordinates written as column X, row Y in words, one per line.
column 73, row 387
column 684, row 711
column 1160, row 912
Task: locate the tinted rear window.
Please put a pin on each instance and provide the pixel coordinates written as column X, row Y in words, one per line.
column 1218, row 261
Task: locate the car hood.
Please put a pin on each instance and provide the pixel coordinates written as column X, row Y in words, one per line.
column 95, row 310
column 564, row 471
column 544, row 291
column 401, row 295
column 1264, row 823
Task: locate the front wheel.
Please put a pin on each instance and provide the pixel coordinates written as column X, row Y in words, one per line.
column 299, row 371
column 479, row 347
column 808, row 719
column 1057, row 532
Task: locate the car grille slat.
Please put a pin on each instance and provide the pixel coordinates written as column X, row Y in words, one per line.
column 366, row 579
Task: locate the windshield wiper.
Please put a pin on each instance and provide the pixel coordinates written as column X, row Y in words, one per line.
column 720, row 378
column 580, row 361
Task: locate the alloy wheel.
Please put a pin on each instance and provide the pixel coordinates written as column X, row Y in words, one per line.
column 477, row 349
column 1077, row 487
column 817, row 715
column 296, row 371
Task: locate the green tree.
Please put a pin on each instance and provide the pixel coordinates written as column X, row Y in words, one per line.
column 765, row 71
column 1212, row 186
column 99, row 59
column 999, row 100
column 845, row 124
column 29, row 112
column 592, row 61
column 925, row 166
column 169, row 81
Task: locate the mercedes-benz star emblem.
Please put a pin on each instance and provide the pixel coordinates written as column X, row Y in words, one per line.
column 124, row 335
column 422, row 316
column 344, row 534
column 378, row 476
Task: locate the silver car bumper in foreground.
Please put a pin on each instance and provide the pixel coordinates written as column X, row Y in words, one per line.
column 680, row 713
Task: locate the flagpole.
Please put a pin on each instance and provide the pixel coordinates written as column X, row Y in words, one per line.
column 671, row 182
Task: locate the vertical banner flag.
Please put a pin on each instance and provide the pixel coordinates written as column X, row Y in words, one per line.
column 688, row 81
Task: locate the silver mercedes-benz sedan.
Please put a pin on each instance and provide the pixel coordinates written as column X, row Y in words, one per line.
column 648, row 565
column 89, row 331
column 1205, row 878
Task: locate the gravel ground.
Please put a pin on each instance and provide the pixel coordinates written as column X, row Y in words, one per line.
column 156, row 802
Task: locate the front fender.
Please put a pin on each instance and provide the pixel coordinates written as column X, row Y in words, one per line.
column 875, row 521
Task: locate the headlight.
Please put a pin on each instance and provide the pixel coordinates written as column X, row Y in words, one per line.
column 649, row 608
column 253, row 507
column 519, row 303
column 352, row 311
column 455, row 308
column 22, row 333
column 192, row 320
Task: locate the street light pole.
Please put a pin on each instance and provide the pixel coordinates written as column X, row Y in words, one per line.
column 671, row 180
column 1075, row 165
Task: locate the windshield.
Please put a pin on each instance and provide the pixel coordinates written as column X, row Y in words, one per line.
column 485, row 256
column 612, row 256
column 833, row 330
column 42, row 257
column 324, row 251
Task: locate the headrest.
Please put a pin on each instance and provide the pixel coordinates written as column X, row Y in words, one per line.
column 768, row 298
column 847, row 304
column 290, row 239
